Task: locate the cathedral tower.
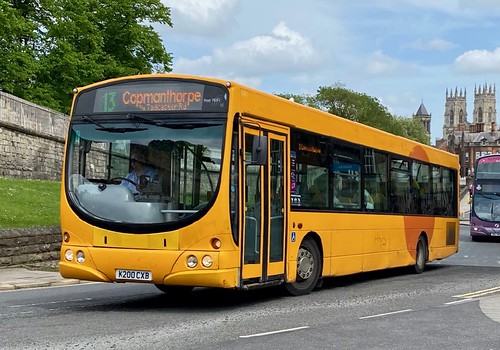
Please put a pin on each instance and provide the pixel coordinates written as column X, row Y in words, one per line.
column 455, row 111
column 485, row 113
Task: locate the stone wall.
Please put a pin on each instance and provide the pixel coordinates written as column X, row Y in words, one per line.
column 31, row 147
column 31, row 139
column 29, row 245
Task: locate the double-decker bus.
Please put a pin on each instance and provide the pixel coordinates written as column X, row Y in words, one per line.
column 243, row 189
column 485, row 205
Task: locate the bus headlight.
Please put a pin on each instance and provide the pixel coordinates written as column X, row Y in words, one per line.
column 68, row 254
column 207, row 261
column 80, row 257
column 192, row 261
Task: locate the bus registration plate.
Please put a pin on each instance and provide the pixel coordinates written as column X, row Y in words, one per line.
column 134, row 275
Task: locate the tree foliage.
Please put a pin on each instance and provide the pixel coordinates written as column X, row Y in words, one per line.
column 57, row 45
column 361, row 108
column 413, row 129
column 18, row 33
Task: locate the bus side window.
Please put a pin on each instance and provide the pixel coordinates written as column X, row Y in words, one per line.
column 318, row 192
column 375, row 185
column 350, row 193
column 370, row 193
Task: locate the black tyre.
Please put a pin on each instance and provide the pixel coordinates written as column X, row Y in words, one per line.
column 309, row 266
column 421, row 255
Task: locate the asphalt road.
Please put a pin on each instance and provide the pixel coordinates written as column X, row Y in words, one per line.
column 391, row 309
column 482, row 253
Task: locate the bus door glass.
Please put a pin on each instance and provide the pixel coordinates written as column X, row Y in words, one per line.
column 264, row 209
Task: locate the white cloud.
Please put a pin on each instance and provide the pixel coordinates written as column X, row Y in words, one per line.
column 478, row 61
column 282, row 51
column 381, row 64
column 432, row 45
column 204, row 18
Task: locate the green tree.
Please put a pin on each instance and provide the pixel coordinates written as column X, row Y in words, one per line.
column 367, row 110
column 414, row 130
column 306, row 100
column 75, row 43
column 353, row 105
column 18, row 37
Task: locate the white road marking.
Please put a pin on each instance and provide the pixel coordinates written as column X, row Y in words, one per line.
column 273, row 332
column 459, row 302
column 386, row 314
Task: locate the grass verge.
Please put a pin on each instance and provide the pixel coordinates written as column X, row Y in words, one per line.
column 28, row 203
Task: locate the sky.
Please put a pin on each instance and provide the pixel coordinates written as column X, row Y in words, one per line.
column 402, row 52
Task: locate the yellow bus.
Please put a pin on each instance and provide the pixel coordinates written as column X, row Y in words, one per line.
column 184, row 181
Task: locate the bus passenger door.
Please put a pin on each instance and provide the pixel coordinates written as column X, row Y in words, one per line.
column 264, row 215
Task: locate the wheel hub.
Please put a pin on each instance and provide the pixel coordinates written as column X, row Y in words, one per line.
column 305, row 264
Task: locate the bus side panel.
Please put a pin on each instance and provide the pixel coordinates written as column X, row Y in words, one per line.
column 445, row 239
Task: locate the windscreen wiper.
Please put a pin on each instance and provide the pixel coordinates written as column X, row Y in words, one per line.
column 112, row 129
column 120, row 130
column 147, row 120
column 181, row 124
column 143, row 119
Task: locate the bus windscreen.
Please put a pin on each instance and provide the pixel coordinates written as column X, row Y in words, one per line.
column 488, row 167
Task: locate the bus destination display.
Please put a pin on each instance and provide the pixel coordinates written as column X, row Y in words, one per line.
column 148, row 96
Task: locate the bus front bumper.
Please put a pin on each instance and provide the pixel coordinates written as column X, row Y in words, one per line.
column 156, row 266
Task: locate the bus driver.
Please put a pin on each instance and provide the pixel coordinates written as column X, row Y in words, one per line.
column 141, row 173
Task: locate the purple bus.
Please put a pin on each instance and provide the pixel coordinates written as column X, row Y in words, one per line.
column 485, row 208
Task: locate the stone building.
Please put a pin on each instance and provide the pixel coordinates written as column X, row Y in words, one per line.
column 470, row 140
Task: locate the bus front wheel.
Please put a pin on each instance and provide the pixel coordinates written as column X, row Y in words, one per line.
column 421, row 255
column 308, row 268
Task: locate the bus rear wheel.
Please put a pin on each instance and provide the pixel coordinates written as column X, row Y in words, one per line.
column 308, row 268
column 421, row 255
column 174, row 291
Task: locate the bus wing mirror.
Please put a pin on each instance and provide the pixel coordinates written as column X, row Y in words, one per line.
column 259, row 150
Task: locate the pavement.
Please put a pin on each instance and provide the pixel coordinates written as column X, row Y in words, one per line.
column 464, row 210
column 12, row 278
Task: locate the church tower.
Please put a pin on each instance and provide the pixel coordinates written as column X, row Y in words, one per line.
column 485, row 113
column 455, row 111
column 425, row 119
